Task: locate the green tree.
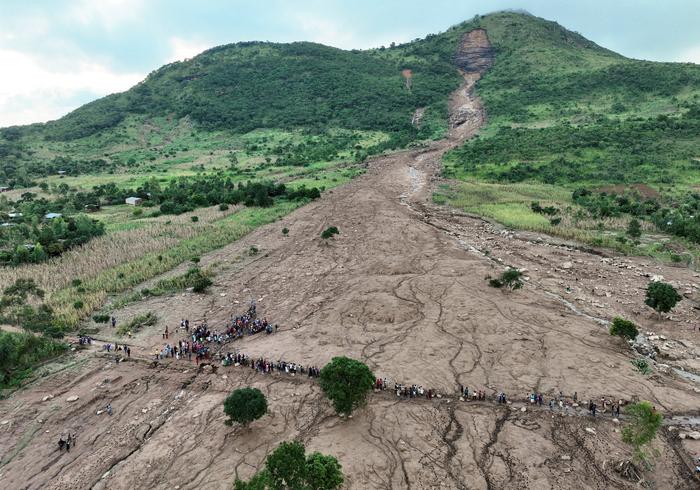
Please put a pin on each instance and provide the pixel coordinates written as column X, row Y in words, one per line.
column 286, row 466
column 13, row 303
column 346, row 383
column 661, row 296
column 644, row 422
column 634, row 228
column 261, row 481
column 623, row 328
column 245, row 405
column 323, row 472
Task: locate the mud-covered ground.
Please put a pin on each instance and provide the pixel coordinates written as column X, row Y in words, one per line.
column 402, row 288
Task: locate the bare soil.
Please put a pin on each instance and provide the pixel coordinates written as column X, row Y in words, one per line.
column 402, row 288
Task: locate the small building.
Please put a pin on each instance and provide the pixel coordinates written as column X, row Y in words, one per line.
column 52, row 215
column 4, row 188
column 134, row 201
column 61, row 172
column 6, row 225
column 14, row 215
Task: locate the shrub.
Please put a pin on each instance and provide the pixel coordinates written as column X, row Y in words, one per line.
column 223, row 207
column 138, row 322
column 285, row 231
column 253, row 250
column 346, row 383
column 642, row 365
column 510, row 278
column 623, row 328
column 661, row 296
column 634, row 229
column 199, row 281
column 78, row 304
column 245, row 405
column 100, row 318
column 329, row 232
column 76, row 283
column 137, row 212
column 194, row 219
column 641, row 429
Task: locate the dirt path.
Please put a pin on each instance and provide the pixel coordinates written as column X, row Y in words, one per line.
column 403, row 288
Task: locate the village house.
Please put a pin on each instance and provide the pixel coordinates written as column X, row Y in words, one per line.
column 50, row 216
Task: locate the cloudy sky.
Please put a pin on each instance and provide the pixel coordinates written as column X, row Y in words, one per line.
column 58, row 54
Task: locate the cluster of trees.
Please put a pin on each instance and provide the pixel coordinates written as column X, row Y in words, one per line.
column 679, row 216
column 28, row 237
column 21, row 305
column 20, row 353
column 289, row 467
column 611, row 151
column 31, row 239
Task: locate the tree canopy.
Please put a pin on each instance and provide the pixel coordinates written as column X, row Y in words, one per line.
column 661, row 296
column 346, row 383
column 644, row 422
column 289, row 468
column 245, row 405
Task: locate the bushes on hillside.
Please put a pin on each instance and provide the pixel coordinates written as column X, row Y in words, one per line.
column 623, row 328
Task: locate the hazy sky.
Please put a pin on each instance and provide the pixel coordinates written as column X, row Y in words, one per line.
column 58, row 54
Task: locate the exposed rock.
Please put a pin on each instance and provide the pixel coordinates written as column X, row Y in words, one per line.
column 72, row 398
column 590, row 430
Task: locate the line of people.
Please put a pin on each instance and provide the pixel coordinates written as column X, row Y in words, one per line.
column 267, row 366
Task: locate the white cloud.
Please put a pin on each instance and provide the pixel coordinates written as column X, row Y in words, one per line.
column 691, row 55
column 33, row 91
column 329, row 32
column 182, row 49
column 105, row 13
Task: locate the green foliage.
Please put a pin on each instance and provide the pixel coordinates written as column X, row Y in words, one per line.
column 194, row 219
column 146, row 320
column 15, row 308
column 277, row 85
column 346, row 383
column 642, row 366
column 634, row 228
column 323, row 472
column 288, row 467
column 32, row 239
column 329, row 232
column 20, row 352
column 661, row 296
column 245, row 405
column 623, row 328
column 100, row 318
column 644, row 422
column 223, row 207
column 510, row 278
column 285, row 231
